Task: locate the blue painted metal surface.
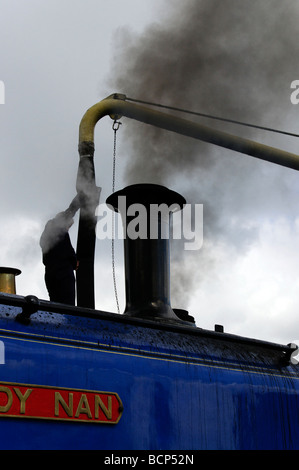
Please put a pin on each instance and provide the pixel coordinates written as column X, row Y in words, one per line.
column 182, row 388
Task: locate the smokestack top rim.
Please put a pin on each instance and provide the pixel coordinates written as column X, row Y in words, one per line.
column 146, row 194
column 8, row 270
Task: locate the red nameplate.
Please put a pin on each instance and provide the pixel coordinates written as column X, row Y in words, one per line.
column 34, row 401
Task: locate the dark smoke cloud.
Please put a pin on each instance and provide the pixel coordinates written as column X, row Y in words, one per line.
column 230, row 58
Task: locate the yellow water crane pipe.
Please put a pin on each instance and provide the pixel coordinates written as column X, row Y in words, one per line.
column 116, row 106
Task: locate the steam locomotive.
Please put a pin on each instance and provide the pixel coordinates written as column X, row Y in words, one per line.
column 73, row 377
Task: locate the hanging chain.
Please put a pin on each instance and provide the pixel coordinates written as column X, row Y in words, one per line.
column 115, row 128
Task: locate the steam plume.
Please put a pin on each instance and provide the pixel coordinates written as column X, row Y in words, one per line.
column 229, row 58
column 58, row 226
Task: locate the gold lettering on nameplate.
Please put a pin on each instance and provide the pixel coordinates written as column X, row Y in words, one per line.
column 99, row 405
column 10, row 399
column 46, row 402
column 68, row 407
column 84, row 406
column 7, row 400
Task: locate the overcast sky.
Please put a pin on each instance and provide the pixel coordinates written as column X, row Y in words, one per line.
column 58, row 58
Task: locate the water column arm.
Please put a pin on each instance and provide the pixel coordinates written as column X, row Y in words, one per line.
column 116, row 106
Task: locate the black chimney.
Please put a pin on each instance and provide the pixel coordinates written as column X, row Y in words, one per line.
column 146, row 210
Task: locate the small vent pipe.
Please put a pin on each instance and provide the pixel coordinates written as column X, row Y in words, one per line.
column 8, row 280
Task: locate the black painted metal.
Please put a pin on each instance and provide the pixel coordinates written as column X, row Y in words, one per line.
column 147, row 259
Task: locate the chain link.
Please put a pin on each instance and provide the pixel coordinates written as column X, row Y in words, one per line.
column 115, row 128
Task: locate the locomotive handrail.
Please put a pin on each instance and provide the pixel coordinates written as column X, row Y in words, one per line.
column 116, row 106
column 28, row 306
